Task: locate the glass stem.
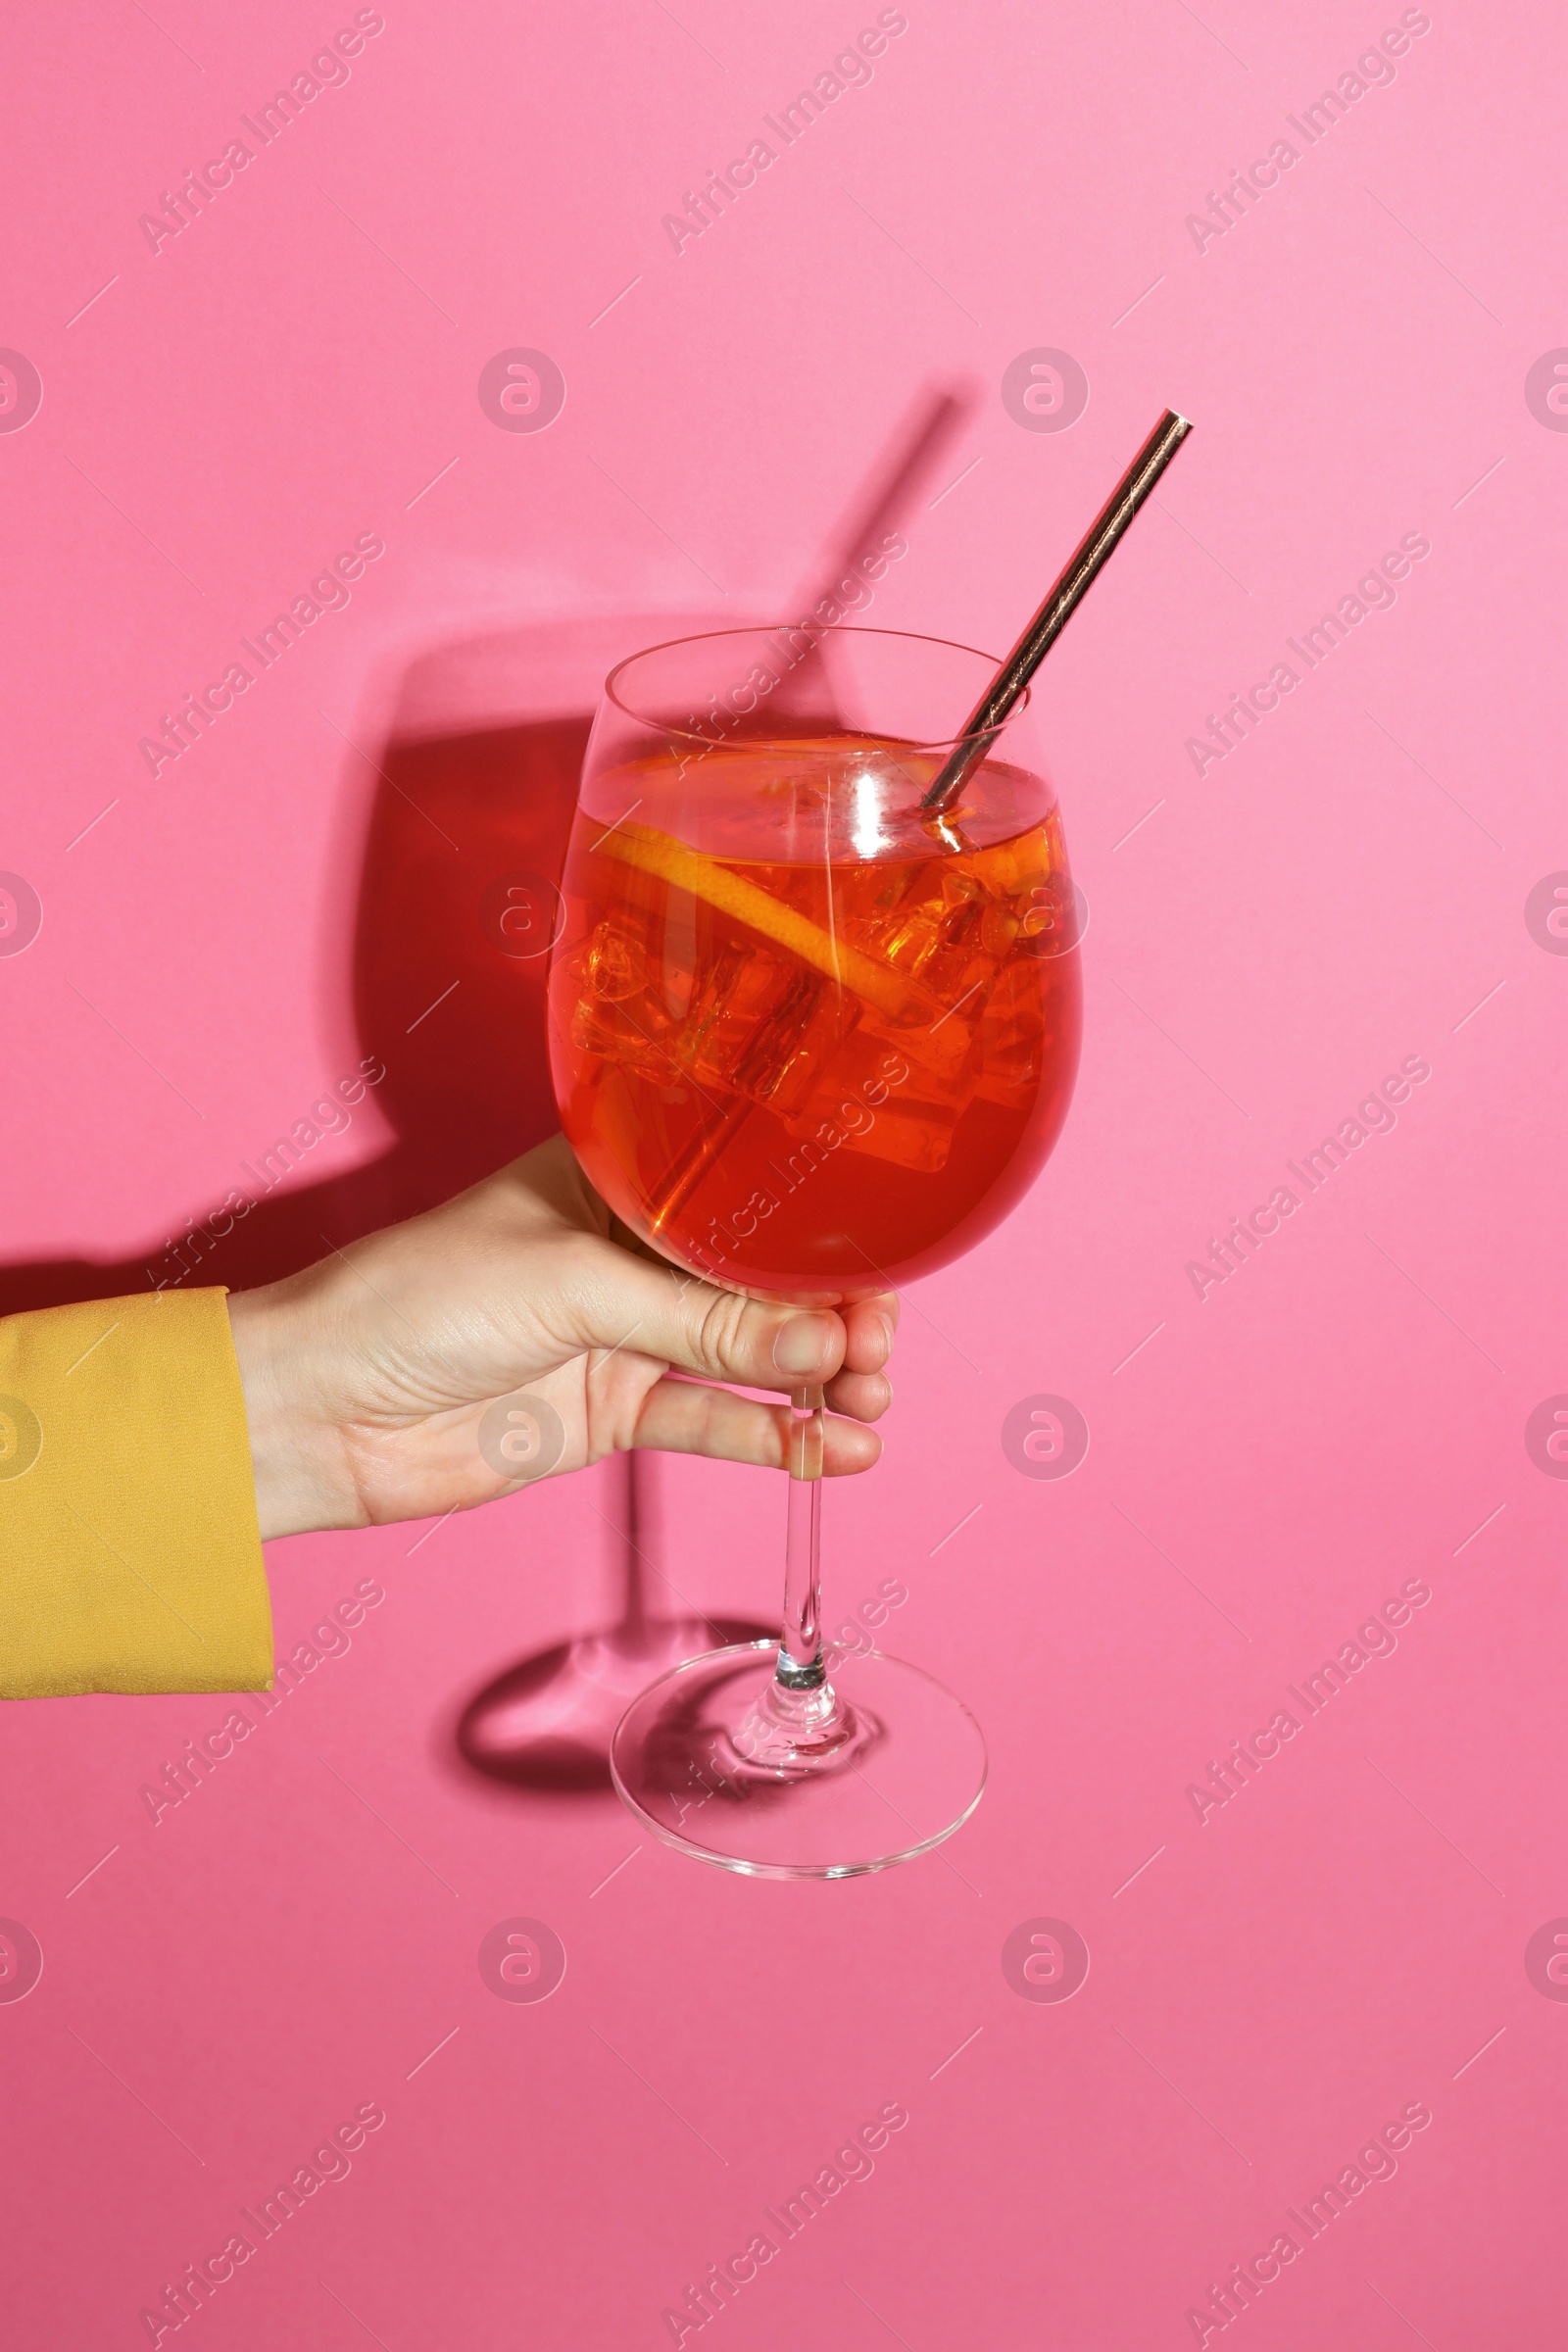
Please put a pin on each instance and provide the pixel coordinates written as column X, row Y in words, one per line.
column 799, row 1649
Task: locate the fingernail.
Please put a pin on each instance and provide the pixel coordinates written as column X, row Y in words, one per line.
column 889, row 1327
column 801, row 1344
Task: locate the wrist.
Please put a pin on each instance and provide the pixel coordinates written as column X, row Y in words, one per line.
column 294, row 1458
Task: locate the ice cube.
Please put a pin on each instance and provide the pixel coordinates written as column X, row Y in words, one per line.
column 874, row 1097
column 1030, row 885
column 619, row 1013
column 616, row 962
column 1011, row 1046
column 936, row 1027
column 910, row 937
column 788, row 1057
column 916, row 928
column 913, row 1135
column 736, row 997
column 999, row 928
column 949, row 942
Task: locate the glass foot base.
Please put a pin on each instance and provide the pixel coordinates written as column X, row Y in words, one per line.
column 875, row 1766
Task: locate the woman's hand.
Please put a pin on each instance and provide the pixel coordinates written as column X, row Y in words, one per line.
column 368, row 1378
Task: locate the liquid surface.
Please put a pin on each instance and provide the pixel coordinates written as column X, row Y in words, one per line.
column 804, row 1040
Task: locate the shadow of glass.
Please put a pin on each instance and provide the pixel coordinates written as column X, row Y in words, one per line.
column 480, row 744
column 472, row 766
column 478, row 747
column 544, row 1724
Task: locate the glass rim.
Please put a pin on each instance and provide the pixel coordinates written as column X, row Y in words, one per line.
column 819, row 631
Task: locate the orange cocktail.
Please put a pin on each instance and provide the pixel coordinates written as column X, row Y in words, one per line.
column 806, row 1040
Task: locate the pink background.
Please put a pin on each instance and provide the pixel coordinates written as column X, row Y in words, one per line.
column 1343, row 1939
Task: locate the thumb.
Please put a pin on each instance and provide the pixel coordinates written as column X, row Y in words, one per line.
column 624, row 1300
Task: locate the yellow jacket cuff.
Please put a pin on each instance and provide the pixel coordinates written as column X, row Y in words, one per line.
column 130, row 1557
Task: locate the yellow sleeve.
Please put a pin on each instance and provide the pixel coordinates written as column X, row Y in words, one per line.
column 130, row 1558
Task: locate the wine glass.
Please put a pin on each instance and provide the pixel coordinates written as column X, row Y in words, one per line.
column 808, row 1041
